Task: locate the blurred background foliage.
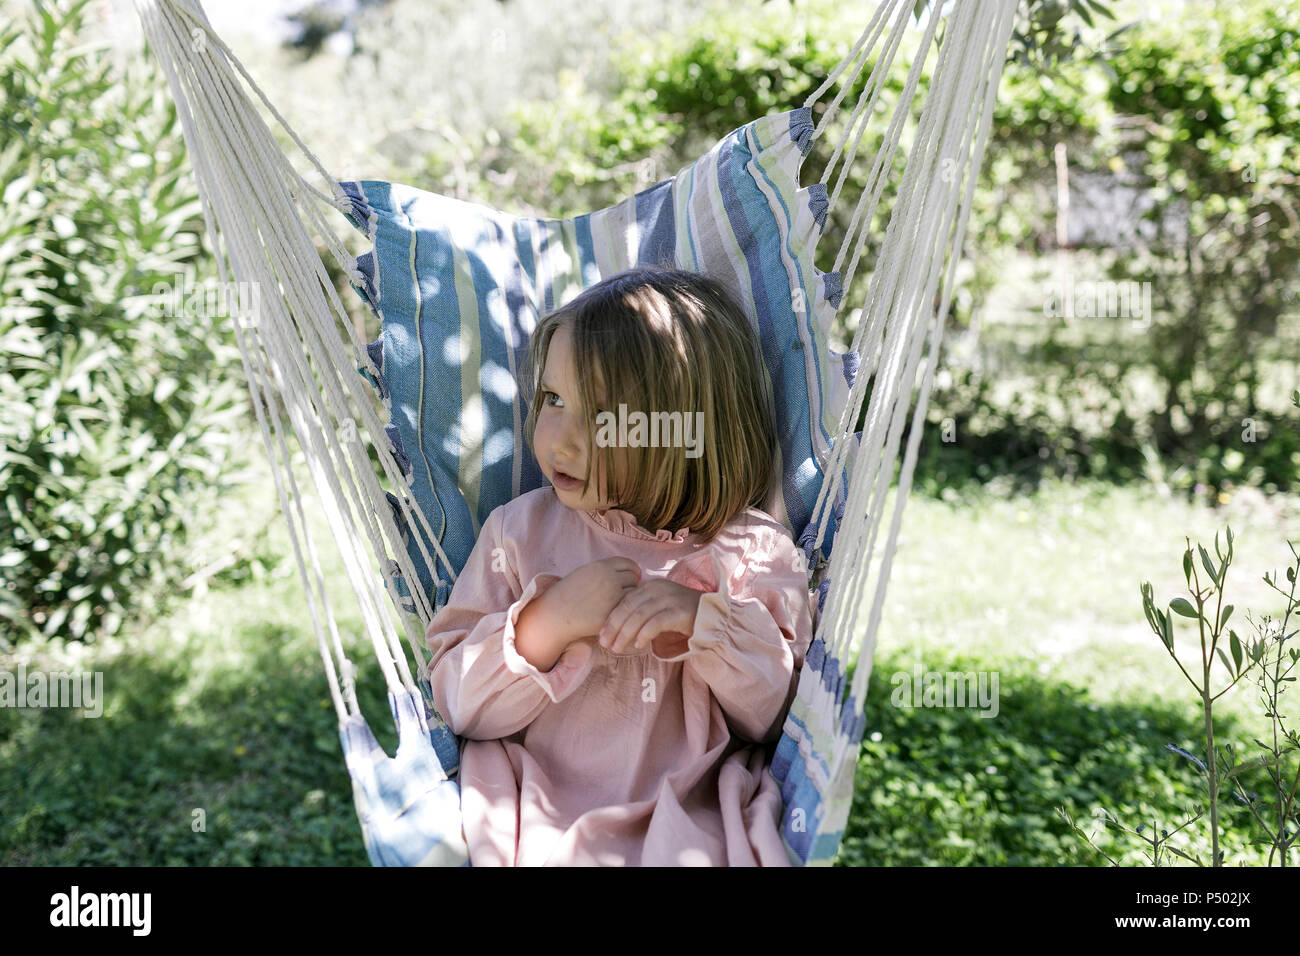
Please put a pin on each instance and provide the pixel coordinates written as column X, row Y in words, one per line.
column 1173, row 121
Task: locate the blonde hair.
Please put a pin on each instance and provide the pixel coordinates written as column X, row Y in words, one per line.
column 665, row 340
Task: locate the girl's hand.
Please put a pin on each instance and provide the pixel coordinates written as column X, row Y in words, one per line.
column 582, row 600
column 648, row 611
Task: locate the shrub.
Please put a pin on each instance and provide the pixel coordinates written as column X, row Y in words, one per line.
column 116, row 420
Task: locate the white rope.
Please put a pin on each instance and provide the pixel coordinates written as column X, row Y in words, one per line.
column 902, row 291
column 912, row 256
column 865, row 212
column 892, row 302
column 273, row 318
column 865, row 106
column 165, row 56
column 193, row 11
column 300, row 351
column 861, row 50
column 981, row 114
column 318, row 317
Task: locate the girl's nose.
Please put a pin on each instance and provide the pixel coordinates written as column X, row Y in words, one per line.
column 573, row 434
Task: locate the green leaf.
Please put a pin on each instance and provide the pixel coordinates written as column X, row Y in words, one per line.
column 1227, row 613
column 1252, row 764
column 1183, row 607
column 1235, row 643
column 1208, row 564
column 1148, row 609
column 1187, row 565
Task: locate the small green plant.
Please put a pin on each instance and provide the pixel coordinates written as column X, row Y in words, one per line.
column 1278, row 670
column 1273, row 662
column 1211, row 633
column 1211, row 629
column 1222, row 768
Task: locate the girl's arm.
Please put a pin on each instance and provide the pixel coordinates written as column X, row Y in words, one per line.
column 750, row 635
column 482, row 685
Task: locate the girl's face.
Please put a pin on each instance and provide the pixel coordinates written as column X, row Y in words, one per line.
column 560, row 439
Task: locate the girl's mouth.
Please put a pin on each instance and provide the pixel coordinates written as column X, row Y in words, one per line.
column 567, row 482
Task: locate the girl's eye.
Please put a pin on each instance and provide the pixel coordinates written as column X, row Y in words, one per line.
column 547, row 396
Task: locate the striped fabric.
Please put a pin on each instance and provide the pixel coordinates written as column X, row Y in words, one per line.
column 408, row 807
column 817, row 727
column 459, row 287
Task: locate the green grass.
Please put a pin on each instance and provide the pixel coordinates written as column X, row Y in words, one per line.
column 1052, row 581
column 223, row 707
column 940, row 786
column 1044, row 591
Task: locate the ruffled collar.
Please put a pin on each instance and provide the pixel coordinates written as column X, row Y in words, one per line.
column 622, row 522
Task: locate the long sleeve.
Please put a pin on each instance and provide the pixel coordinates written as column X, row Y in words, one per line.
column 751, row 633
column 481, row 685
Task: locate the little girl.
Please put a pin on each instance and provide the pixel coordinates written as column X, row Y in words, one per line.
column 617, row 653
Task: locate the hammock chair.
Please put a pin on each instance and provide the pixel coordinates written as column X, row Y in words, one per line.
column 458, row 287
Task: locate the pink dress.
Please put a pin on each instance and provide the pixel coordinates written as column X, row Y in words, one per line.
column 631, row 759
